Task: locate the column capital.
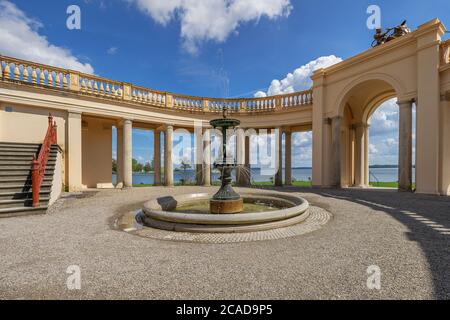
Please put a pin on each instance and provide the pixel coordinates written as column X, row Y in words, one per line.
column 405, row 103
column 445, row 96
column 327, row 121
column 74, row 113
column 360, row 125
column 336, row 118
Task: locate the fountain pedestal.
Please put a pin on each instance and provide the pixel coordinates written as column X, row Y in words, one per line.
column 226, row 206
column 226, row 200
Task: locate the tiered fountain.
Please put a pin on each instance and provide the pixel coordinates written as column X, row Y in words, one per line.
column 226, row 200
column 225, row 211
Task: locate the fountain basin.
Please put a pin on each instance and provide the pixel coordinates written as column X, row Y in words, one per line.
column 272, row 210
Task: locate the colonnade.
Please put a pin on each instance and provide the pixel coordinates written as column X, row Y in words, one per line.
column 203, row 152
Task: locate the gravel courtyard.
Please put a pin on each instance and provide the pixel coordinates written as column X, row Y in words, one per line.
column 406, row 235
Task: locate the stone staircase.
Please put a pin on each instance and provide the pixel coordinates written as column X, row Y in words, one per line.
column 15, row 179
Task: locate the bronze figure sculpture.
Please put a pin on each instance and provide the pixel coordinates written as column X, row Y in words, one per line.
column 381, row 37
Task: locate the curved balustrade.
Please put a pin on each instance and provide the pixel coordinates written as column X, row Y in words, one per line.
column 39, row 75
column 96, row 86
column 147, row 96
column 33, row 73
column 445, row 52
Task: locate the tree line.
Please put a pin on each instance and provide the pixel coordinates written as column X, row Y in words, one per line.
column 136, row 166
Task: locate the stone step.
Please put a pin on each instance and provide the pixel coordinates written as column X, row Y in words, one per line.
column 22, row 171
column 17, row 175
column 45, row 193
column 24, row 157
column 22, row 211
column 22, row 146
column 20, row 167
column 19, row 148
column 26, row 180
column 21, row 203
column 3, row 143
column 22, row 187
column 25, row 162
column 17, row 153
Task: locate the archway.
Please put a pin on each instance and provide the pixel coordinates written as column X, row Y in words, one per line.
column 356, row 108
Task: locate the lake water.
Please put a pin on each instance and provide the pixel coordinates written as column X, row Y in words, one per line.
column 376, row 174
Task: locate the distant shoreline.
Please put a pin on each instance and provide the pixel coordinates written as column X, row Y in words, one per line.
column 376, row 166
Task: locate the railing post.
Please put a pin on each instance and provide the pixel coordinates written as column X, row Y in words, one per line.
column 126, row 92
column 277, row 103
column 205, row 105
column 242, row 105
column 35, row 181
column 169, row 101
column 73, row 81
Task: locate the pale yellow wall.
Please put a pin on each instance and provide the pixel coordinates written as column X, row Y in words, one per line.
column 97, row 152
column 27, row 124
column 444, row 183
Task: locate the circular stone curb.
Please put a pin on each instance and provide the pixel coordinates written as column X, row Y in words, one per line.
column 317, row 218
column 158, row 214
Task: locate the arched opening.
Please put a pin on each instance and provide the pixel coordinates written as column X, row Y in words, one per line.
column 362, row 111
column 383, row 144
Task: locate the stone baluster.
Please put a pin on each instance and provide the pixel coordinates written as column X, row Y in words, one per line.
column 49, row 78
column 25, row 73
column 7, row 72
column 42, row 77
column 65, row 83
column 16, row 72
column 58, row 79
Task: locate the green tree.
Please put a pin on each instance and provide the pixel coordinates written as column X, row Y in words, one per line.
column 139, row 167
column 147, row 167
column 134, row 164
column 185, row 166
column 114, row 165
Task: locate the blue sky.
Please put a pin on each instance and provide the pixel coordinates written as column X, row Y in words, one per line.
column 199, row 48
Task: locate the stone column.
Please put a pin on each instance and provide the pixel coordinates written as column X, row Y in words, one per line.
column 199, row 156
column 366, row 155
column 207, row 158
column 288, row 158
column 240, row 157
column 279, row 155
column 127, row 153
column 119, row 153
column 168, row 164
column 336, row 151
column 405, row 146
column 360, row 153
column 248, row 167
column 157, row 157
column 74, row 151
column 326, row 153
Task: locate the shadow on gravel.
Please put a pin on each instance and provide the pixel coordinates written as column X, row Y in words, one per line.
column 427, row 218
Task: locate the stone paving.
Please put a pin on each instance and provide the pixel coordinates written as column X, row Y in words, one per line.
column 317, row 218
column 407, row 236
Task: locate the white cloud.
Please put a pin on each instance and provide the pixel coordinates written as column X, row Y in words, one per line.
column 112, row 50
column 372, row 149
column 385, row 118
column 204, row 20
column 300, row 79
column 20, row 39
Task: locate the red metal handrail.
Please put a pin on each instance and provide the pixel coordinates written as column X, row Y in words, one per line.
column 38, row 165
